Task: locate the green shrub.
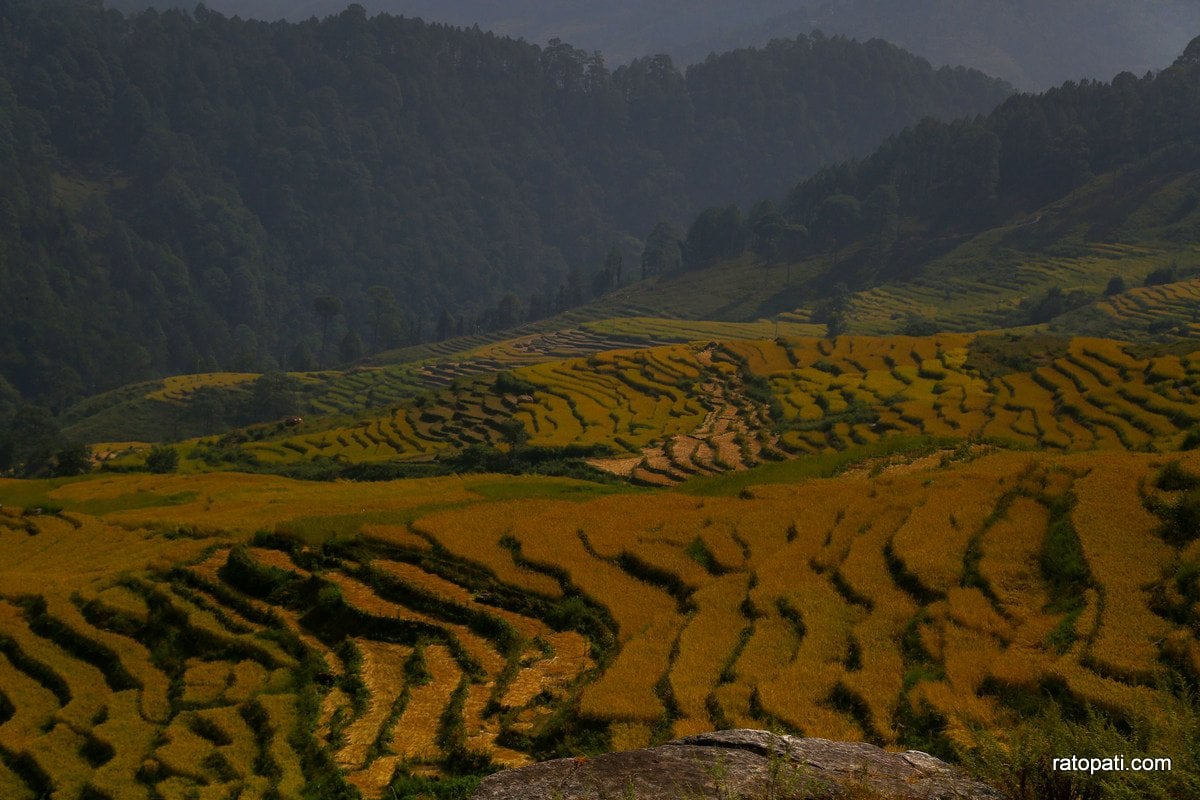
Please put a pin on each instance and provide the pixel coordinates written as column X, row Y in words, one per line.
column 1022, row 765
column 1174, row 478
column 507, row 383
column 73, row 459
column 1160, row 276
column 162, row 460
column 1181, row 520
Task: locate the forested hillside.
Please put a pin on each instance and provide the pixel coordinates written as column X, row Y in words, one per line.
column 1033, row 44
column 946, row 202
column 184, row 191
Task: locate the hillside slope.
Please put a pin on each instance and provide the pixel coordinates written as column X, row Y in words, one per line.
column 1050, row 203
column 178, row 191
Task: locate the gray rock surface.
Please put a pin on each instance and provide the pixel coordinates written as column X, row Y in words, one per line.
column 740, row 765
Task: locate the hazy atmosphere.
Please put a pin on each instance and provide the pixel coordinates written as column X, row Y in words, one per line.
column 776, row 400
column 1032, row 44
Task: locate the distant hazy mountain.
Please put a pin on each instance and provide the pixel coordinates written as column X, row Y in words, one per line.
column 1031, row 43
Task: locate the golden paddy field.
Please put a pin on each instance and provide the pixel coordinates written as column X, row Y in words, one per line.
column 226, row 635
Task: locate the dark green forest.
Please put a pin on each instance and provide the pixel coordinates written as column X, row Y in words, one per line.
column 883, row 218
column 182, row 191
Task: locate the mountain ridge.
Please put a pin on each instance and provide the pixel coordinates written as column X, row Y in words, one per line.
column 1033, row 44
column 181, row 190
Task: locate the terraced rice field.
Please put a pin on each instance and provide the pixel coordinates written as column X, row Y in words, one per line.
column 1149, row 309
column 621, row 399
column 1073, row 403
column 216, row 634
column 180, row 388
column 371, row 630
column 388, row 381
column 661, row 415
column 168, row 665
column 792, row 324
column 987, row 294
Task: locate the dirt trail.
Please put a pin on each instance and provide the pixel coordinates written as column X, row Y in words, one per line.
column 726, row 439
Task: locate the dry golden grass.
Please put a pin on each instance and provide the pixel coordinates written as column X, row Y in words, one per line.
column 415, row 734
column 1112, row 524
column 134, row 657
column 933, row 540
column 475, row 535
column 1010, row 551
column 383, row 673
column 178, row 388
column 830, row 611
column 706, row 642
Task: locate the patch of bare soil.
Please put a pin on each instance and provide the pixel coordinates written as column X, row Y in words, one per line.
column 714, row 446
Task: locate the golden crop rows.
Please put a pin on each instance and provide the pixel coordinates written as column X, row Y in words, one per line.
column 658, row 404
column 398, row 624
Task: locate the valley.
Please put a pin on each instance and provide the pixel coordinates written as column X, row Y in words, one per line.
column 384, row 404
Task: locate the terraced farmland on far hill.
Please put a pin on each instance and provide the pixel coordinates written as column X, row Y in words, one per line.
column 661, row 415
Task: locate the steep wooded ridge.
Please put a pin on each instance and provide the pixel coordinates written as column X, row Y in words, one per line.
column 1042, row 180
column 1033, row 44
column 178, row 189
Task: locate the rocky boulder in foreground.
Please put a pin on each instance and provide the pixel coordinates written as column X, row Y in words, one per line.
column 741, row 765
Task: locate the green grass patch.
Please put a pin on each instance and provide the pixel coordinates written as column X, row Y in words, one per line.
column 316, row 530
column 523, row 488
column 133, row 500
column 34, row 493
